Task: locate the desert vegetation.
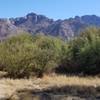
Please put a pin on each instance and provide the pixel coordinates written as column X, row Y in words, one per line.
column 46, row 57
column 24, row 55
column 83, row 55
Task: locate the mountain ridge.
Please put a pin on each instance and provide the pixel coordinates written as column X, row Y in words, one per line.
column 40, row 24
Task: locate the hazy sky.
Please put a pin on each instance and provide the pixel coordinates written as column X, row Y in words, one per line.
column 56, row 9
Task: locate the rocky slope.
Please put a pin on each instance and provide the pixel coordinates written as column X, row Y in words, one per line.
column 39, row 24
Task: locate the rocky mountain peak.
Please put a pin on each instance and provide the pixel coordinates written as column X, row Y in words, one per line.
column 36, row 24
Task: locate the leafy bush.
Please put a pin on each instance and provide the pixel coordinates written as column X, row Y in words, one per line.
column 83, row 55
column 24, row 54
column 48, row 54
column 90, row 53
column 16, row 55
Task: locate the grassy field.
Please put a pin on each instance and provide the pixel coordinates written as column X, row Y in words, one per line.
column 8, row 87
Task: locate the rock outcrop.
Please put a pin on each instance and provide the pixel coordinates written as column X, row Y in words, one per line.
column 39, row 24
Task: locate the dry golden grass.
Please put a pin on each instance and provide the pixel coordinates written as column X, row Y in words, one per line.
column 10, row 86
column 72, row 80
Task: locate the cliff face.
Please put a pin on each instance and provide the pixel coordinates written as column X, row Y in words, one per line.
column 7, row 29
column 39, row 24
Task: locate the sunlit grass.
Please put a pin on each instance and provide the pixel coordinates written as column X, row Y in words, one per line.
column 10, row 86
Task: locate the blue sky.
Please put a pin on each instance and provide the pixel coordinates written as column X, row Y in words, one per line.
column 56, row 9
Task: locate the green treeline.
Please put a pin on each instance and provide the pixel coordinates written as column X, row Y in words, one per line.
column 26, row 54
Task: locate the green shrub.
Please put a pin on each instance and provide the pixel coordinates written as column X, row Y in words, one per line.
column 16, row 55
column 48, row 53
column 24, row 54
column 83, row 55
column 90, row 53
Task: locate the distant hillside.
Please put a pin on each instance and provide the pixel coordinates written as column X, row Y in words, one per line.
column 40, row 24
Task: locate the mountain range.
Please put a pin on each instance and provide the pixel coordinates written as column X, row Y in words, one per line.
column 40, row 24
